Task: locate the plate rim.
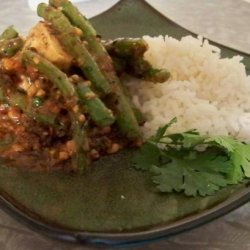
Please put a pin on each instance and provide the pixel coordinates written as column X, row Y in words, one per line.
column 236, row 200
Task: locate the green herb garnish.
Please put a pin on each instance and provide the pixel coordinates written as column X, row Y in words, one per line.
column 178, row 165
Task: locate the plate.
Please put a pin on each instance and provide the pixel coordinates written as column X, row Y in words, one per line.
column 113, row 204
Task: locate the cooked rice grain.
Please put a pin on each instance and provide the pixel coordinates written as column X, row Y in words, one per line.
column 206, row 92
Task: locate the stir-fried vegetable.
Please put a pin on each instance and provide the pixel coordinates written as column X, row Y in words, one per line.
column 124, row 114
column 60, row 90
column 9, row 33
column 96, row 108
column 61, row 95
column 129, row 57
column 54, row 74
column 9, row 48
column 42, row 38
column 68, row 36
column 10, row 43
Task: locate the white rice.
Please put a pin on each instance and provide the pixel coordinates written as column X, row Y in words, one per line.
column 205, row 92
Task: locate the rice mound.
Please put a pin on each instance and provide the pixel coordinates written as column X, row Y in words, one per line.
column 205, row 92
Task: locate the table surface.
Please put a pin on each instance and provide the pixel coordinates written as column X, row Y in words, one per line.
column 231, row 232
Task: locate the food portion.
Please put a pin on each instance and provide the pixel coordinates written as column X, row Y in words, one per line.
column 206, row 92
column 205, row 148
column 62, row 99
column 68, row 98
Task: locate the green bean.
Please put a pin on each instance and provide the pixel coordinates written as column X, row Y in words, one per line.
column 5, row 143
column 143, row 69
column 79, row 131
column 59, row 79
column 126, row 47
column 9, row 48
column 121, row 105
column 54, row 74
column 9, row 33
column 128, row 55
column 99, row 113
column 20, row 100
column 67, row 35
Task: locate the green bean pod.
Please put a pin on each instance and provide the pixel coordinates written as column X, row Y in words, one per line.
column 9, row 33
column 67, row 35
column 99, row 113
column 9, row 48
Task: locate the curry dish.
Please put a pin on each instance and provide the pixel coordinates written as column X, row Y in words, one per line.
column 62, row 97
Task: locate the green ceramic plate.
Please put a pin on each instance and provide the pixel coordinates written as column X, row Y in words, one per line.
column 113, row 204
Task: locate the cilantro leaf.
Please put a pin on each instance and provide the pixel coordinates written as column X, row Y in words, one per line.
column 193, row 177
column 173, row 152
column 169, row 178
column 162, row 130
column 202, row 183
column 178, row 166
column 239, row 154
column 241, row 160
column 210, row 161
column 187, row 139
column 225, row 142
column 148, row 155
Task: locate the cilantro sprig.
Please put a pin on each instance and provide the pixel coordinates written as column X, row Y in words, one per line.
column 178, row 165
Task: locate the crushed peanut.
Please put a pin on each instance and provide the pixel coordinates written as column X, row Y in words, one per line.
column 40, row 93
column 31, row 91
column 94, row 154
column 17, row 147
column 82, row 118
column 63, row 155
column 115, row 147
column 71, row 146
column 14, row 114
column 75, row 108
column 36, row 60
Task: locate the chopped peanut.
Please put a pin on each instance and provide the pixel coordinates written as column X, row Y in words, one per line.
column 82, row 118
column 63, row 155
column 17, row 148
column 14, row 114
column 75, row 108
column 71, row 146
column 105, row 130
column 115, row 147
column 94, row 154
column 32, row 90
column 78, row 31
column 40, row 93
column 52, row 152
column 36, row 60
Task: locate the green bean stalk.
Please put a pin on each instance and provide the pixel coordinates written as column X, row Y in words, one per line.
column 129, row 57
column 126, row 47
column 118, row 101
column 9, row 33
column 95, row 107
column 67, row 35
column 20, row 100
column 61, row 81
column 10, row 42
